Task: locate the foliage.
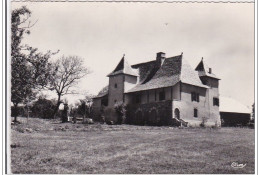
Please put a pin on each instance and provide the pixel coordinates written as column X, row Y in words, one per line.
column 43, row 108
column 29, row 67
column 65, row 73
column 17, row 111
column 120, row 109
column 64, row 117
column 81, row 110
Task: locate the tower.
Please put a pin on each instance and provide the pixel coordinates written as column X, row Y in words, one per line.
column 120, row 80
column 208, row 78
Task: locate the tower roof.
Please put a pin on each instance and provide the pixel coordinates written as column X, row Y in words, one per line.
column 123, row 68
column 204, row 70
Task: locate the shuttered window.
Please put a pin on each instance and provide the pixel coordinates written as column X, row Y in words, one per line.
column 195, row 97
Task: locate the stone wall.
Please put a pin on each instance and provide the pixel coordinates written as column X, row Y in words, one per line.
column 155, row 113
column 205, row 109
column 130, row 82
column 115, row 93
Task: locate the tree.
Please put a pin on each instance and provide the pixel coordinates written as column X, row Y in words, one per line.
column 29, row 68
column 42, row 108
column 65, row 74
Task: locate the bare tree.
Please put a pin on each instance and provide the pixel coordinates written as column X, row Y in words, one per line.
column 65, row 74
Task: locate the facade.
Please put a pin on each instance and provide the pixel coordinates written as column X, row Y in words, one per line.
column 160, row 91
column 233, row 113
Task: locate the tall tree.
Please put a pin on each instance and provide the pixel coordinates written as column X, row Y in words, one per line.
column 65, row 74
column 29, row 67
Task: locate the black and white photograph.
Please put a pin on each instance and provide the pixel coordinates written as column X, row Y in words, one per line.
column 130, row 87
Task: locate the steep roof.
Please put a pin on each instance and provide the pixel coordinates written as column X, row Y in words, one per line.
column 204, row 70
column 103, row 92
column 172, row 71
column 228, row 104
column 123, row 68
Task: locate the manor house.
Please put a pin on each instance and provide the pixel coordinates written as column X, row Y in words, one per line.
column 158, row 91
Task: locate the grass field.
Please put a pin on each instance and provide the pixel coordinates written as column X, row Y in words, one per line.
column 45, row 146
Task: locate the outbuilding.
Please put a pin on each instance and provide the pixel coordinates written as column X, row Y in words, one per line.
column 233, row 113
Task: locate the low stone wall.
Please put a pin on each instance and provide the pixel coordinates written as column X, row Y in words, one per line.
column 156, row 113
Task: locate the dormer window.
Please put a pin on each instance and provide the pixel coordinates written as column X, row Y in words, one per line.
column 115, row 86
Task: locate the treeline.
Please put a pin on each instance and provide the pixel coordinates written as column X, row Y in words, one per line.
column 33, row 71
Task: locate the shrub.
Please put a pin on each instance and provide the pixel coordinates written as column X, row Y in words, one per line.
column 120, row 109
column 43, row 108
column 19, row 111
column 203, row 122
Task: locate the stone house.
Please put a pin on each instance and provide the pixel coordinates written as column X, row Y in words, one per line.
column 160, row 91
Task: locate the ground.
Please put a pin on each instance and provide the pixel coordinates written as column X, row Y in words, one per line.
column 46, row 146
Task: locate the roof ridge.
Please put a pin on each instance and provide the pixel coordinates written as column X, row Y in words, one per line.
column 143, row 63
column 155, row 60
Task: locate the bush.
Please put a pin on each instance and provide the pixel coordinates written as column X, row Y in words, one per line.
column 43, row 108
column 19, row 111
column 120, row 109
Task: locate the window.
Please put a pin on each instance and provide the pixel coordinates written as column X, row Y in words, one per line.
column 161, row 96
column 115, row 85
column 195, row 97
column 195, row 112
column 198, row 97
column 215, row 101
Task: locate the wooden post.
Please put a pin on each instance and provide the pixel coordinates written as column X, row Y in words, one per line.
column 27, row 113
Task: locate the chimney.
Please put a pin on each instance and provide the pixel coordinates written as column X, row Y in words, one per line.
column 210, row 70
column 160, row 57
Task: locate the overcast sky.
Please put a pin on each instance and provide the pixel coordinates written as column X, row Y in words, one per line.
column 222, row 33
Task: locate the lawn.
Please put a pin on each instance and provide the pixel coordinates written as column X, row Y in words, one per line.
column 45, row 146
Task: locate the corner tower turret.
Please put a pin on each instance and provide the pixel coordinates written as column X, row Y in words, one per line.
column 208, row 78
column 206, row 75
column 120, row 80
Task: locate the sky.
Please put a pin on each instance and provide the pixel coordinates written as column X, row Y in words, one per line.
column 100, row 33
